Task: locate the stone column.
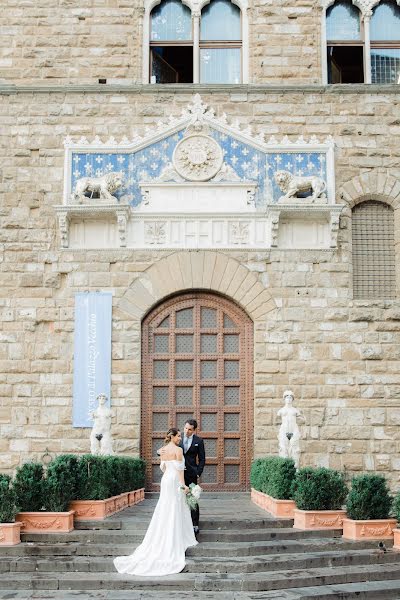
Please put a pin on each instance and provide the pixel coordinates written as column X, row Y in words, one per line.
column 196, row 47
column 367, row 48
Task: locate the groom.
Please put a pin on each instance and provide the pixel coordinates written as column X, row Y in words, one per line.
column 195, row 459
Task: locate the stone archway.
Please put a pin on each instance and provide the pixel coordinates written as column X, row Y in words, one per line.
column 373, row 185
column 203, row 270
column 179, row 272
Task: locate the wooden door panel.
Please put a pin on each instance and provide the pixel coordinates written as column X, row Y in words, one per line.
column 197, row 353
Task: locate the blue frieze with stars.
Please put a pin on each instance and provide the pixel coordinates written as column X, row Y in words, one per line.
column 146, row 165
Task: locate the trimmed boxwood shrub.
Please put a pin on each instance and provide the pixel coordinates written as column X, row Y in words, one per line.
column 101, row 477
column 28, row 486
column 137, row 473
column 281, row 474
column 60, row 483
column 396, row 508
column 114, row 466
column 256, row 473
column 8, row 500
column 274, row 476
column 93, row 481
column 369, row 498
column 319, row 489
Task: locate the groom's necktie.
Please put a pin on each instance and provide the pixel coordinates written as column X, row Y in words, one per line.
column 185, row 444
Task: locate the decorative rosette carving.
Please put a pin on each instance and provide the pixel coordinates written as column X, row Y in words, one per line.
column 197, row 157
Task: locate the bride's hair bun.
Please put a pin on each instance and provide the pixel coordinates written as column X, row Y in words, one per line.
column 172, row 432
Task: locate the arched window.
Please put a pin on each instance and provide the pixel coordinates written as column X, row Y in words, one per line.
column 189, row 48
column 345, row 44
column 385, row 43
column 373, row 250
column 171, row 43
column 220, row 43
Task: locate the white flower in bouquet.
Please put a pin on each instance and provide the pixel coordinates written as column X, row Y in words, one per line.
column 195, row 491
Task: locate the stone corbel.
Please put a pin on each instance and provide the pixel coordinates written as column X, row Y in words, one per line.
column 275, row 217
column 251, row 197
column 63, row 224
column 119, row 213
column 334, row 222
column 329, row 213
column 122, row 221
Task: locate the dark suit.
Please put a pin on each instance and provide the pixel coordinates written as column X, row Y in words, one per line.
column 195, row 459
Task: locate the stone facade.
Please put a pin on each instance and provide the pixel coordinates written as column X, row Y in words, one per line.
column 339, row 356
column 81, row 42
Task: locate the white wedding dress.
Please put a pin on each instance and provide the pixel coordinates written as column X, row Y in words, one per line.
column 170, row 532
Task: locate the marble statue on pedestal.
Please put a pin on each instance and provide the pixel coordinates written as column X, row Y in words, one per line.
column 289, row 432
column 100, row 436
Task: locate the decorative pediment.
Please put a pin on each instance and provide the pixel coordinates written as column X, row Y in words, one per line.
column 196, row 163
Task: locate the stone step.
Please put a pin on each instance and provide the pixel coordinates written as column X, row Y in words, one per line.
column 373, row 590
column 248, row 582
column 206, row 524
column 210, row 535
column 263, row 563
column 207, row 550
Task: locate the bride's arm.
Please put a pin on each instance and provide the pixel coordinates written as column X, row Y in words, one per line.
column 179, row 457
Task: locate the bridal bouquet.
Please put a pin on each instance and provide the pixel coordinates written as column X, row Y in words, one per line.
column 193, row 495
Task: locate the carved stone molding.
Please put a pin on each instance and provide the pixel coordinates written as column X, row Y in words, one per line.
column 119, row 214
column 122, row 220
column 197, row 157
column 239, row 232
column 155, row 232
column 291, row 213
column 366, row 6
column 205, row 182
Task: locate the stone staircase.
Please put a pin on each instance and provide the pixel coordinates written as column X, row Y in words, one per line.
column 243, row 554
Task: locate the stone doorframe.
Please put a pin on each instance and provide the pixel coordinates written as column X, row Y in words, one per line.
column 185, row 271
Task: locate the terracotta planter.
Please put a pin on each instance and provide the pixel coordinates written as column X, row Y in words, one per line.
column 97, row 510
column 93, row 510
column 278, row 508
column 10, row 534
column 396, row 539
column 318, row 519
column 46, row 522
column 368, row 530
column 136, row 496
column 121, row 501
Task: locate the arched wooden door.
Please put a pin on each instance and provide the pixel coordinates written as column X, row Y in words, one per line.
column 197, row 361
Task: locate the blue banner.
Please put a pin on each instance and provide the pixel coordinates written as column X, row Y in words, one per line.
column 92, row 353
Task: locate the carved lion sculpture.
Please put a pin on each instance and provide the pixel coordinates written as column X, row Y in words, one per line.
column 292, row 185
column 103, row 186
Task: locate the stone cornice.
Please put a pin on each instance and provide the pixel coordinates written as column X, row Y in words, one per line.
column 234, row 90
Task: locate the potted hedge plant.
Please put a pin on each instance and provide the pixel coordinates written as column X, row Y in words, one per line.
column 396, row 514
column 319, row 494
column 44, row 500
column 368, row 508
column 9, row 528
column 271, row 479
column 107, row 484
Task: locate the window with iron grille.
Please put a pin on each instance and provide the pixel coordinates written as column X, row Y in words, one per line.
column 373, row 250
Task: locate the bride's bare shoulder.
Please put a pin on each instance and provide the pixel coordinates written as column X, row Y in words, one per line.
column 179, row 453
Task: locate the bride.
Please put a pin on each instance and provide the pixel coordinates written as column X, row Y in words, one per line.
column 170, row 532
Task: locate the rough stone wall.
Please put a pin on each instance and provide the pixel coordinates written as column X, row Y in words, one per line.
column 339, row 356
column 75, row 41
column 70, row 40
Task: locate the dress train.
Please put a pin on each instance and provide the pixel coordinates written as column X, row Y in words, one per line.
column 169, row 534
